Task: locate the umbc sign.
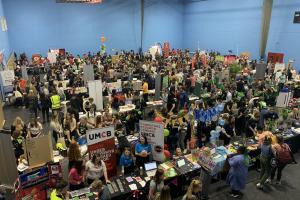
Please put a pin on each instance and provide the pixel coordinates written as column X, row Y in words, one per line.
column 100, row 134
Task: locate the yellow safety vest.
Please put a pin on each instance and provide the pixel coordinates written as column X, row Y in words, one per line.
column 54, row 196
column 55, row 101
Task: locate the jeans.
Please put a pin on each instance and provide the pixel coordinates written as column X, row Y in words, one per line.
column 45, row 113
column 172, row 141
column 265, row 169
column 181, row 138
column 279, row 168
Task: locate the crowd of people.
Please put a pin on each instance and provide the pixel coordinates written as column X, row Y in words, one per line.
column 248, row 112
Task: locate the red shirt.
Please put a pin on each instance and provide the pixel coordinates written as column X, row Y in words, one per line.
column 74, row 177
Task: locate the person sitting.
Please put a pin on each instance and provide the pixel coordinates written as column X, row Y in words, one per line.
column 19, row 126
column 142, row 151
column 73, row 154
column 194, row 190
column 102, row 190
column 96, row 169
column 76, row 178
column 126, row 161
column 156, row 184
column 82, row 126
column 70, row 128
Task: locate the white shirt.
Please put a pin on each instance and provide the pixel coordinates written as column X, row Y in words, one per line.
column 228, row 97
column 95, row 172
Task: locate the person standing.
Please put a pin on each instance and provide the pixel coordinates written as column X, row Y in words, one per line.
column 33, row 103
column 45, row 106
column 265, row 162
column 156, row 184
column 238, row 172
column 96, row 169
column 284, row 157
column 55, row 101
column 194, row 190
column 76, row 179
column 145, row 91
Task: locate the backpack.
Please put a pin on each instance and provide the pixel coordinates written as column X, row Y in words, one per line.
column 284, row 154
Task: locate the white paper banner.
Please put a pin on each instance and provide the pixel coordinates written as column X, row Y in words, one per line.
column 100, row 134
column 153, row 131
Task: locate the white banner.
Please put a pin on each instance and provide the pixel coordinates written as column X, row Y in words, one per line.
column 153, row 131
column 100, row 134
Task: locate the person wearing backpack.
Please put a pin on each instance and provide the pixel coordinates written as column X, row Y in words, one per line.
column 284, row 156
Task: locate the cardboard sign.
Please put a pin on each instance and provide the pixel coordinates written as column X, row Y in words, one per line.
column 101, row 141
column 153, row 131
column 39, row 150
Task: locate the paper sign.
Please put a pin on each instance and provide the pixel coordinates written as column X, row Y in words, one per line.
column 153, row 131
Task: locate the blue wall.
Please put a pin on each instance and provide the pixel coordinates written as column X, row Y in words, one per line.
column 284, row 35
column 37, row 25
column 4, row 43
column 223, row 25
column 163, row 22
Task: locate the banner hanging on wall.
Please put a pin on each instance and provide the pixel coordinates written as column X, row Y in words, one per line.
column 101, row 141
column 153, row 131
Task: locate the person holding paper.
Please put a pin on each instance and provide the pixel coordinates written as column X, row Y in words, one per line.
column 142, row 151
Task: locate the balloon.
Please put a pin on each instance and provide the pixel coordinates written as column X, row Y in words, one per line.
column 158, row 119
column 166, row 132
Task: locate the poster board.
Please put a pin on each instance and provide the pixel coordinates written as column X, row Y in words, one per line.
column 260, row 71
column 38, row 150
column 7, row 77
column 52, row 57
column 8, row 172
column 279, row 67
column 153, row 131
column 275, row 57
column 88, row 73
column 101, row 141
column 96, row 92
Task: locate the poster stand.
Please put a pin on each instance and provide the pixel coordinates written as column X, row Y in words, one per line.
column 95, row 91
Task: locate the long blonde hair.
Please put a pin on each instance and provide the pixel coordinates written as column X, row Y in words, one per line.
column 194, row 184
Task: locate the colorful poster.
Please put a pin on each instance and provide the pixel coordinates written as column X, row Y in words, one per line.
column 166, row 49
column 275, row 57
column 101, row 141
column 229, row 59
column 153, row 131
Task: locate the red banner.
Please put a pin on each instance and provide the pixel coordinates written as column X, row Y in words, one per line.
column 275, row 57
column 102, row 143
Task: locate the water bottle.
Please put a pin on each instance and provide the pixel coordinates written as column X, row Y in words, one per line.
column 141, row 171
column 122, row 170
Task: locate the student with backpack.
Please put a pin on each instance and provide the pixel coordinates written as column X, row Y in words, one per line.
column 284, row 157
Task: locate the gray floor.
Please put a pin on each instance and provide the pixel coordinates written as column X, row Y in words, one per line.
column 289, row 190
